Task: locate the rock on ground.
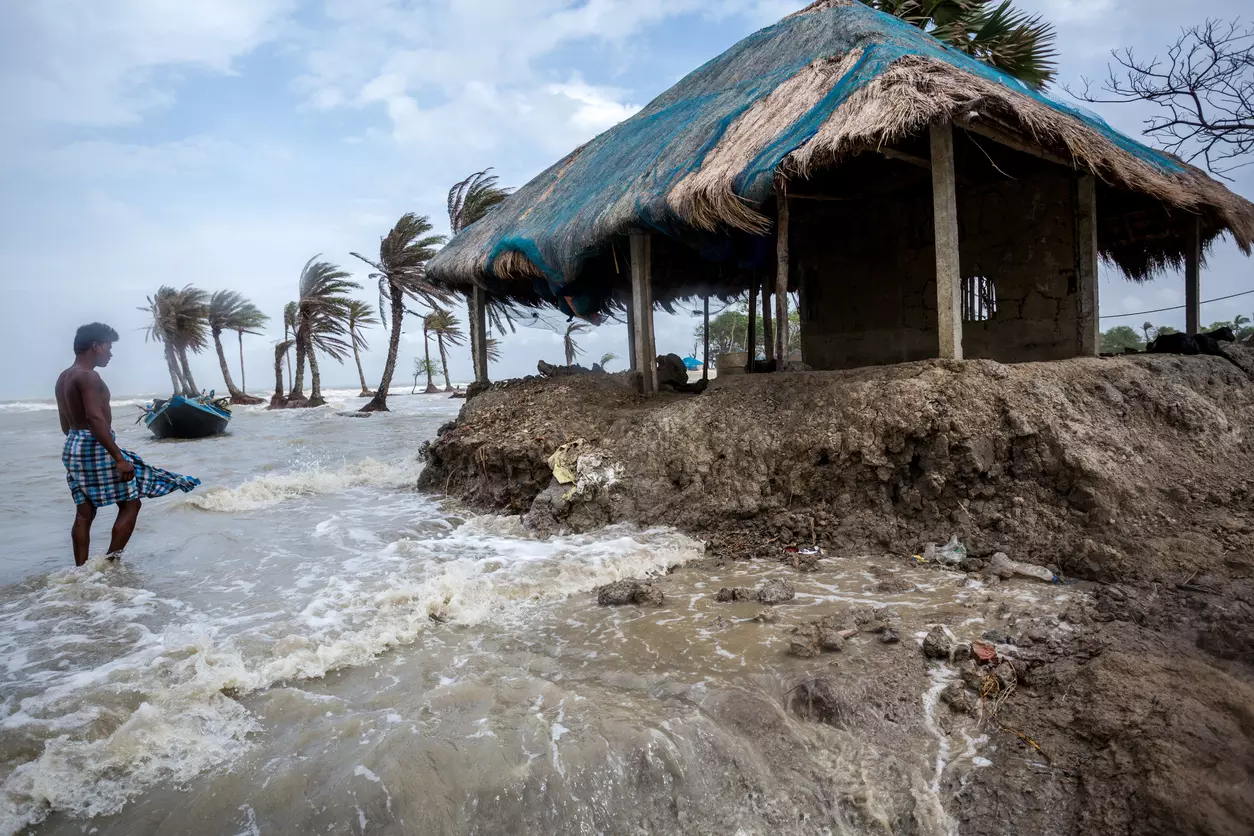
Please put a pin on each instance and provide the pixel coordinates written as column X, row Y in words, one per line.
column 776, row 591
column 630, row 591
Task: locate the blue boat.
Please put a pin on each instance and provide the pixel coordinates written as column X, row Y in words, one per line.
column 181, row 417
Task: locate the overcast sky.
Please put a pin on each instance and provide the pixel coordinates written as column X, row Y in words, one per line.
column 224, row 142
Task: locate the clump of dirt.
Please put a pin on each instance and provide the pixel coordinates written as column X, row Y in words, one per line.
column 1135, row 472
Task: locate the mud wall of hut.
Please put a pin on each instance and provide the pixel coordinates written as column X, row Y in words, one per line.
column 867, row 270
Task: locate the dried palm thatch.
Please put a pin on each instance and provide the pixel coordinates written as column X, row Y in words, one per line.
column 699, row 164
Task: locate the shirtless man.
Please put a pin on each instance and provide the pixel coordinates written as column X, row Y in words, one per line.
column 98, row 471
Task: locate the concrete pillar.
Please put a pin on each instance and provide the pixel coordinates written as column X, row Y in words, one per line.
column 1193, row 278
column 1089, row 338
column 945, row 216
column 642, row 308
column 782, row 267
column 768, row 333
column 479, row 333
column 751, row 339
column 705, row 356
column 631, row 334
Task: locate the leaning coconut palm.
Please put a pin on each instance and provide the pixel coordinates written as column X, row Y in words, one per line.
column 401, row 273
column 230, row 311
column 360, row 315
column 468, row 201
column 447, row 330
column 607, row 358
column 568, row 341
column 179, row 321
column 279, row 400
column 427, row 322
column 422, row 366
column 321, row 313
column 991, row 31
column 289, row 330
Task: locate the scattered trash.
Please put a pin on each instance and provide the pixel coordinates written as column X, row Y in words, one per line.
column 563, row 460
column 1006, row 568
column 951, row 553
column 984, row 652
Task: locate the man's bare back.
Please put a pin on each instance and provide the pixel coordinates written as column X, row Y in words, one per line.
column 70, row 386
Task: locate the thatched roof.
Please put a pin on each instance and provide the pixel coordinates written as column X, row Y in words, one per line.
column 836, row 79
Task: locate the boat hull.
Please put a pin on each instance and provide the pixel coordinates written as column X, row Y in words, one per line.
column 180, row 417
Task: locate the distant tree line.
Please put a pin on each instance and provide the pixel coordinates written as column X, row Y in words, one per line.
column 1115, row 340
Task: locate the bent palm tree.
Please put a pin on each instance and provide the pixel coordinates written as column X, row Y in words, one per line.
column 468, row 201
column 360, row 315
column 279, row 400
column 321, row 313
column 607, row 358
column 568, row 341
column 421, row 366
column 427, row 322
column 401, row 272
column 179, row 321
column 289, row 324
column 446, row 329
column 1016, row 42
column 230, row 311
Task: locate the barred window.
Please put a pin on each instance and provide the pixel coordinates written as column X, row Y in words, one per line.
column 979, row 299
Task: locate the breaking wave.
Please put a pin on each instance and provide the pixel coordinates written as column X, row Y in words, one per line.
column 275, row 488
column 157, row 705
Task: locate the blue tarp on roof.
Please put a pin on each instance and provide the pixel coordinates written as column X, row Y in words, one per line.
column 569, row 212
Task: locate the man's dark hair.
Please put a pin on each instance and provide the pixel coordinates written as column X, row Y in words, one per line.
column 89, row 335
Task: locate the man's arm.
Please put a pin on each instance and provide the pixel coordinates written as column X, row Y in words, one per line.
column 89, row 386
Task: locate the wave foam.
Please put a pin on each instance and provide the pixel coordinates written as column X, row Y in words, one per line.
column 273, row 489
column 183, row 677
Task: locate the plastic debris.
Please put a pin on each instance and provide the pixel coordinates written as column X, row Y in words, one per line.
column 984, row 652
column 951, row 553
column 1003, row 566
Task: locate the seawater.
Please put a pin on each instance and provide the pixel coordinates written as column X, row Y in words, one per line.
column 307, row 644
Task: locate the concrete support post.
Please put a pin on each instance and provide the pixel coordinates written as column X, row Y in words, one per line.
column 781, row 276
column 705, row 356
column 642, row 308
column 768, row 333
column 631, row 332
column 1089, row 338
column 1193, row 278
column 945, row 216
column 751, row 339
column 479, row 333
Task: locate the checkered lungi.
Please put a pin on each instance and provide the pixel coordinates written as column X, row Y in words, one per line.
column 93, row 476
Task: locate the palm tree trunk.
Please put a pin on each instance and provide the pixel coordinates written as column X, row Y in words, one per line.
column 280, row 351
column 298, row 386
column 315, row 387
column 379, row 403
column 287, row 355
column 439, row 338
column 426, row 350
column 226, row 371
column 173, row 366
column 192, row 389
column 243, row 389
column 365, row 393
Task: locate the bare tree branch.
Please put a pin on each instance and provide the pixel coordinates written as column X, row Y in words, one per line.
column 1203, row 89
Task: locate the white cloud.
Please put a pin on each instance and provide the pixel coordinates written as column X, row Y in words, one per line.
column 86, row 62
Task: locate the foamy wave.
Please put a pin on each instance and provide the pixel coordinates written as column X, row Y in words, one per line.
column 273, row 489
column 50, row 405
column 486, row 569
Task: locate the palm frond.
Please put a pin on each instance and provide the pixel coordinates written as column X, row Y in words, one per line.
column 472, row 198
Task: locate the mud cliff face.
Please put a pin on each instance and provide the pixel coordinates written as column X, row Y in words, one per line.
column 1076, row 464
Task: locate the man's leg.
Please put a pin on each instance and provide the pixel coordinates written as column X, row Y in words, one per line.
column 128, row 513
column 80, row 534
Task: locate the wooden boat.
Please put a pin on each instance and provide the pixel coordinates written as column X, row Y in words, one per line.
column 181, row 417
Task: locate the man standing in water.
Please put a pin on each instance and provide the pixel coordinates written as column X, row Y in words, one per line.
column 97, row 470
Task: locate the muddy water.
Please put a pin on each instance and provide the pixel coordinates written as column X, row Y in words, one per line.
column 341, row 655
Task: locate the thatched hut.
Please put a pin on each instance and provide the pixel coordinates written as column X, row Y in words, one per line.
column 922, row 203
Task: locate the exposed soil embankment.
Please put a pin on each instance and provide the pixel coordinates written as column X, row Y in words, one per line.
column 1135, row 472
